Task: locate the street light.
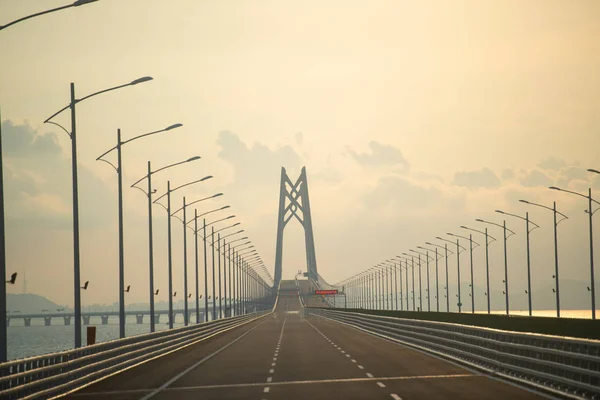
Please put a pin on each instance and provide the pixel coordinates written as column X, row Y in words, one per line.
column 119, row 169
column 487, row 261
column 170, row 256
column 590, row 212
column 445, row 247
column 458, row 247
column 148, row 194
column 73, row 136
column 437, row 288
column 471, row 241
column 412, row 260
column 504, row 228
column 75, row 4
column 528, row 231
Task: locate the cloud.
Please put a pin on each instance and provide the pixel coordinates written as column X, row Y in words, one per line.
column 399, row 192
column 483, row 178
column 536, row 178
column 552, row 163
column 508, row 174
column 38, row 189
column 381, row 155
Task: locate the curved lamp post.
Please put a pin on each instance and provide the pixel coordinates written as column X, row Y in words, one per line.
column 74, row 4
column 73, row 136
column 590, row 212
column 527, row 232
column 170, row 255
column 458, row 251
column 505, row 229
column 487, row 261
column 472, row 285
column 445, row 247
column 148, row 194
column 119, row 169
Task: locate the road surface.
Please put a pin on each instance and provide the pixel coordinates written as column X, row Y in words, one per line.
column 290, row 356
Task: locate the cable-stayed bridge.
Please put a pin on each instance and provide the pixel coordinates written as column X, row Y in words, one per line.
column 294, row 344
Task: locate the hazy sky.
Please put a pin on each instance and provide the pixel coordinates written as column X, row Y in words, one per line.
column 412, row 118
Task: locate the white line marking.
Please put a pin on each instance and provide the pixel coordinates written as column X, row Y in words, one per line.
column 269, row 379
column 274, row 358
column 343, row 352
column 380, row 384
column 353, row 360
column 348, row 355
column 395, row 396
column 271, row 371
column 272, row 364
column 266, row 390
column 370, row 375
column 176, row 377
column 287, row 383
column 360, row 367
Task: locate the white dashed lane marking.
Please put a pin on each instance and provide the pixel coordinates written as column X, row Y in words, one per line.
column 380, row 384
column 370, row 375
column 395, row 396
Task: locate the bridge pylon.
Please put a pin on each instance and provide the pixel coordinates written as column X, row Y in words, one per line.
column 294, row 203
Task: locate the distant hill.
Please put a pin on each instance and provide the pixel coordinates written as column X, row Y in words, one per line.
column 30, row 303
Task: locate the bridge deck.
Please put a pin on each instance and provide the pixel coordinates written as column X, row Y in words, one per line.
column 287, row 356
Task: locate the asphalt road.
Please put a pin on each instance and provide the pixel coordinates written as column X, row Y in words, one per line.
column 287, row 356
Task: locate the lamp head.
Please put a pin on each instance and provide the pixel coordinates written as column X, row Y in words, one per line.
column 554, row 188
column 479, row 220
column 82, row 2
column 224, row 207
column 464, row 227
column 168, row 128
column 231, row 216
column 206, row 178
column 524, row 201
column 500, row 212
column 140, row 80
column 216, row 195
column 593, row 170
column 439, row 238
column 193, row 159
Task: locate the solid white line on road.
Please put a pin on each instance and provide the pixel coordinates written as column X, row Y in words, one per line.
column 241, row 385
column 380, row 384
column 176, row 377
column 361, row 367
column 395, row 396
column 370, row 375
column 266, row 390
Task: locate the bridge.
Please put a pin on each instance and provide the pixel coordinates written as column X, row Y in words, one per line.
column 299, row 340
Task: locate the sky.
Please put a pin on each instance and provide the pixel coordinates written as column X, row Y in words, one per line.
column 412, row 119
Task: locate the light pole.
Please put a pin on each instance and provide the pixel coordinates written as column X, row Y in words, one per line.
column 487, row 260
column 3, row 323
column 458, row 251
column 148, row 194
column 590, row 212
column 505, row 229
column 170, row 255
column 119, row 169
column 445, row 247
column 427, row 258
column 195, row 230
column 74, row 4
column 406, row 259
column 412, row 260
column 73, row 136
column 437, row 287
column 527, row 232
column 471, row 241
column 212, row 245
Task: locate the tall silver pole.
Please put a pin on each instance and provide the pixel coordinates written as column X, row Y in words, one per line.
column 592, row 279
column 212, row 247
column 529, row 261
column 225, row 277
column 505, row 268
column 121, row 246
column 487, row 270
column 186, row 314
column 458, row 274
column 219, row 256
column 196, row 259
column 428, row 293
column 447, row 288
column 3, row 323
column 472, row 284
column 437, row 283
column 396, row 284
column 76, row 258
column 170, row 263
column 150, row 251
column 205, row 272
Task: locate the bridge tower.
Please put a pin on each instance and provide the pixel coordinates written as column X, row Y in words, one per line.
column 294, row 203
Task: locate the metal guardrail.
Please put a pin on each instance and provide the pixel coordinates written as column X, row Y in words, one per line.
column 564, row 366
column 53, row 374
